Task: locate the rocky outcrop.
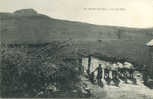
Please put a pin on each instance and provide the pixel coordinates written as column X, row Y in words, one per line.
column 26, row 12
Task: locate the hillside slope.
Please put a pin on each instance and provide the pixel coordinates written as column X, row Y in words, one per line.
column 28, row 26
column 31, row 27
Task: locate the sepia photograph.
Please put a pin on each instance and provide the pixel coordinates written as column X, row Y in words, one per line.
column 94, row 49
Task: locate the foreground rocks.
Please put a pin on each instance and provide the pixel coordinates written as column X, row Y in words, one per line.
column 124, row 91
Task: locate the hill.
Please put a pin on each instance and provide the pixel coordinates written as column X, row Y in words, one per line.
column 30, row 27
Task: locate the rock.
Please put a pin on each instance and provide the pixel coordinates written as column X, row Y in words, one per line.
column 52, row 88
column 26, row 12
column 150, row 83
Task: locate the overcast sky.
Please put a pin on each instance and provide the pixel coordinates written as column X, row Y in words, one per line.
column 130, row 13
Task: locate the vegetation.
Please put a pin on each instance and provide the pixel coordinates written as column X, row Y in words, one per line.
column 108, row 40
column 25, row 73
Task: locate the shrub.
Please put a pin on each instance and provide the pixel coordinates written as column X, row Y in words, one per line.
column 25, row 75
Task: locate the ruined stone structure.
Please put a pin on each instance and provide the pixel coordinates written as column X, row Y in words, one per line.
column 91, row 63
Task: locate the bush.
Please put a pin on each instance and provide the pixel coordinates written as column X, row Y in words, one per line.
column 25, row 75
column 20, row 73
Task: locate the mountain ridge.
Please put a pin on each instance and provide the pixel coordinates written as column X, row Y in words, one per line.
column 110, row 40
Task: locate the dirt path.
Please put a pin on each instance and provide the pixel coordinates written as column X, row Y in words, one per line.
column 124, row 91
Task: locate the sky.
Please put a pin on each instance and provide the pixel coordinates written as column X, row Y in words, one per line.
column 127, row 13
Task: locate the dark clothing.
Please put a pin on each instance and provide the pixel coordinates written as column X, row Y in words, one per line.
column 99, row 74
column 114, row 73
column 131, row 71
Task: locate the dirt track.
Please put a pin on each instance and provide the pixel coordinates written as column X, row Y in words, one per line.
column 124, row 91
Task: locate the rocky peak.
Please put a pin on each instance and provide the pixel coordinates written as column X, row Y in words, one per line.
column 26, row 12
